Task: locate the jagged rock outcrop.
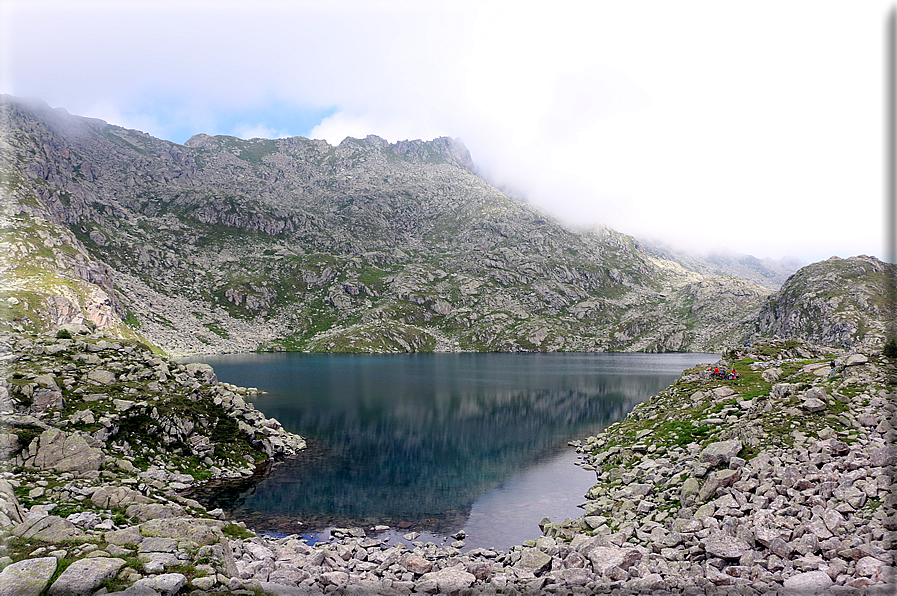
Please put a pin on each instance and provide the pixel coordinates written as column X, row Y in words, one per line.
column 837, row 302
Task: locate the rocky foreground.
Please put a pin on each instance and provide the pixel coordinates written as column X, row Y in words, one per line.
column 777, row 482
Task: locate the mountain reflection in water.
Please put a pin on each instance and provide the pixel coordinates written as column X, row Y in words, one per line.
column 414, row 440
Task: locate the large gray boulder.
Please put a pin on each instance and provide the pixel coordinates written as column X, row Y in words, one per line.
column 64, row 452
column 450, row 580
column 84, row 576
column 27, row 578
column 202, row 532
column 720, row 452
column 203, row 371
column 604, row 558
column 166, row 584
column 50, row 528
column 810, row 582
column 11, row 512
column 117, row 497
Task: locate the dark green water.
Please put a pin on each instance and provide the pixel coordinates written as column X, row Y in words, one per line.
column 436, row 442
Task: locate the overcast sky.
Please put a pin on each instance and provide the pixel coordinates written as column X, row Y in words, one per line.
column 757, row 126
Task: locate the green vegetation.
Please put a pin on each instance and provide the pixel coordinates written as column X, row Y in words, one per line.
column 237, row 531
column 890, row 348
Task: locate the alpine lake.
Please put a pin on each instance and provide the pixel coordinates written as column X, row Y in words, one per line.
column 433, row 444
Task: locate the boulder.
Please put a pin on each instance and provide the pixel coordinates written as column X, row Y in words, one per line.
column 64, row 452
column 689, row 491
column 100, row 376
column 46, row 399
column 117, row 497
column 202, row 532
column 571, row 577
column 129, row 536
column 84, row 575
column 720, row 452
column 152, row 511
column 50, row 528
column 416, row 564
column 27, row 578
column 166, row 584
column 717, row 480
column 814, row 405
column 534, row 560
column 203, row 372
column 450, row 580
column 810, row 582
column 855, row 359
column 725, row 547
column 604, row 558
column 723, row 392
column 11, row 512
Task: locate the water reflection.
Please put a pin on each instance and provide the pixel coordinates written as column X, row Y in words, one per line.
column 414, row 440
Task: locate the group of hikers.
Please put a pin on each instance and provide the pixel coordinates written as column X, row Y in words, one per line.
column 721, row 373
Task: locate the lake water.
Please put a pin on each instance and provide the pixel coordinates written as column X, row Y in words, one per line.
column 435, row 443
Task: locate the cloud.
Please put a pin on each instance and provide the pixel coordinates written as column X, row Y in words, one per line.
column 704, row 123
column 258, row 131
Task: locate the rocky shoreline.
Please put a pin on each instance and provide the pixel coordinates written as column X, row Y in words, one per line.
column 777, row 482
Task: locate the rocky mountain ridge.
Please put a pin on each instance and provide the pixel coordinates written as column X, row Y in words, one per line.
column 836, row 302
column 226, row 245
column 230, row 245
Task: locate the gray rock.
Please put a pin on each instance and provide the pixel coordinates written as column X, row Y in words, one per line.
column 202, row 532
column 810, row 582
column 814, row 405
column 27, row 578
column 416, row 564
column 65, row 452
column 722, row 392
column 720, row 452
column 725, row 547
column 153, row 511
column 571, row 577
column 688, row 492
column 50, row 528
column 166, row 584
column 125, row 537
column 205, row 372
column 85, row 575
column 717, row 480
column 101, row 376
column 45, row 399
column 117, row 497
column 11, row 512
column 277, row 589
column 158, row 545
column 603, row 558
column 855, row 359
column 534, row 560
column 450, row 579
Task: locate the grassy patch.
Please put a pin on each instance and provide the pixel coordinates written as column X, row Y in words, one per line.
column 236, row 531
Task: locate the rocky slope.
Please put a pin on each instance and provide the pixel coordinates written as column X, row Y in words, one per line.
column 837, row 302
column 224, row 245
column 778, row 482
column 769, row 273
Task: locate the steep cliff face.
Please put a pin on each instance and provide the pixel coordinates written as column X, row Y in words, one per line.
column 224, row 245
column 837, row 302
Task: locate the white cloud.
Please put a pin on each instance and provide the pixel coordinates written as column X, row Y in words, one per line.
column 652, row 117
column 258, row 131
